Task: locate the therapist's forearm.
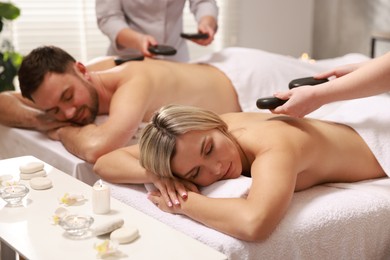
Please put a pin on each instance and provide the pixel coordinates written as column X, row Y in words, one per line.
column 128, row 38
column 371, row 79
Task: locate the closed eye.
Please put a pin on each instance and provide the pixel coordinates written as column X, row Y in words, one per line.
column 53, row 111
column 209, row 149
column 67, row 95
column 196, row 174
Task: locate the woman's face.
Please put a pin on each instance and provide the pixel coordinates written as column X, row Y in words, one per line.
column 204, row 157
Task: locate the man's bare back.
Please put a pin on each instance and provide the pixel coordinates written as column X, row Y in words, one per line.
column 158, row 83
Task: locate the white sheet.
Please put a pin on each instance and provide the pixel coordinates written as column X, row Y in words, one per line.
column 256, row 73
column 16, row 142
column 332, row 221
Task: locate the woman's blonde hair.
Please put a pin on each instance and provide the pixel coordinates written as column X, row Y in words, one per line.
column 158, row 139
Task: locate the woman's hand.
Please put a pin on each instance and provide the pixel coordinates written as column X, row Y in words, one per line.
column 157, row 199
column 173, row 190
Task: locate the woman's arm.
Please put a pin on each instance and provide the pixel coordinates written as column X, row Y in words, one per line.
column 253, row 218
column 122, row 166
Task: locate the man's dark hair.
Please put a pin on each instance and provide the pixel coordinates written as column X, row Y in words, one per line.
column 37, row 63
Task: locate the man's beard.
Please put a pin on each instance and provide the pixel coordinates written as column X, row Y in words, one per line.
column 93, row 109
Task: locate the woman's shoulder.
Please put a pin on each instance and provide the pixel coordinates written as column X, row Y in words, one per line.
column 242, row 117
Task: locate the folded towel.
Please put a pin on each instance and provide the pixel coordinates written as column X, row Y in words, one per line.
column 233, row 188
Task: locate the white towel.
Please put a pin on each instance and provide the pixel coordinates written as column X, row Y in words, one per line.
column 235, row 188
column 370, row 117
column 342, row 222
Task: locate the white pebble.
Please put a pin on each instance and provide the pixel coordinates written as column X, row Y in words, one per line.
column 108, row 226
column 31, row 167
column 29, row 176
column 40, row 183
column 124, row 235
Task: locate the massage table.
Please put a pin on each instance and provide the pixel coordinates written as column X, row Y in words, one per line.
column 330, row 221
column 333, row 221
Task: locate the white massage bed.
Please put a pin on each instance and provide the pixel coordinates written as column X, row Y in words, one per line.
column 335, row 221
column 16, row 142
column 332, row 221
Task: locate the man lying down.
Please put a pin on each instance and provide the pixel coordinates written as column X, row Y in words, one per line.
column 185, row 145
column 62, row 97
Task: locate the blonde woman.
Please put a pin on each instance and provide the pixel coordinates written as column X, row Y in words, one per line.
column 282, row 154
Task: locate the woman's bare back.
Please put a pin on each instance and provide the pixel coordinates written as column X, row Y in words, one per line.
column 326, row 151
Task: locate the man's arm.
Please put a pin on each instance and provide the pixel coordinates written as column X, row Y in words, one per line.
column 16, row 111
column 122, row 166
column 127, row 109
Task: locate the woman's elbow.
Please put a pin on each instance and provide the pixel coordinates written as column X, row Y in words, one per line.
column 255, row 229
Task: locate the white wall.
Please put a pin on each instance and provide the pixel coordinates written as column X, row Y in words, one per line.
column 280, row 26
column 345, row 26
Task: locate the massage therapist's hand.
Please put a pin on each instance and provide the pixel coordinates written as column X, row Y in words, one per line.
column 173, row 190
column 301, row 101
column 206, row 25
column 144, row 42
column 339, row 71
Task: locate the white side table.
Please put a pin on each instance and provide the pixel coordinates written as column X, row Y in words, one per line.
column 27, row 230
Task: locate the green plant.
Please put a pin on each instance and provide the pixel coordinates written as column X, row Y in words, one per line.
column 9, row 59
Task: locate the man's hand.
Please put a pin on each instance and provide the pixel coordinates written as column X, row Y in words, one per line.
column 47, row 123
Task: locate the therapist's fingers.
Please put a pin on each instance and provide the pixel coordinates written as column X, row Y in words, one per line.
column 283, row 94
column 204, row 28
column 147, row 41
column 325, row 74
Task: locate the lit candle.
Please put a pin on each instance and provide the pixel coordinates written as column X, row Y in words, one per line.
column 14, row 194
column 100, row 198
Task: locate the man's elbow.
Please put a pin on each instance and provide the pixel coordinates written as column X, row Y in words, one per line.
column 100, row 167
column 93, row 152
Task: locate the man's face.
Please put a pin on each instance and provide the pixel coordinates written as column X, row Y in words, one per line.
column 67, row 97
